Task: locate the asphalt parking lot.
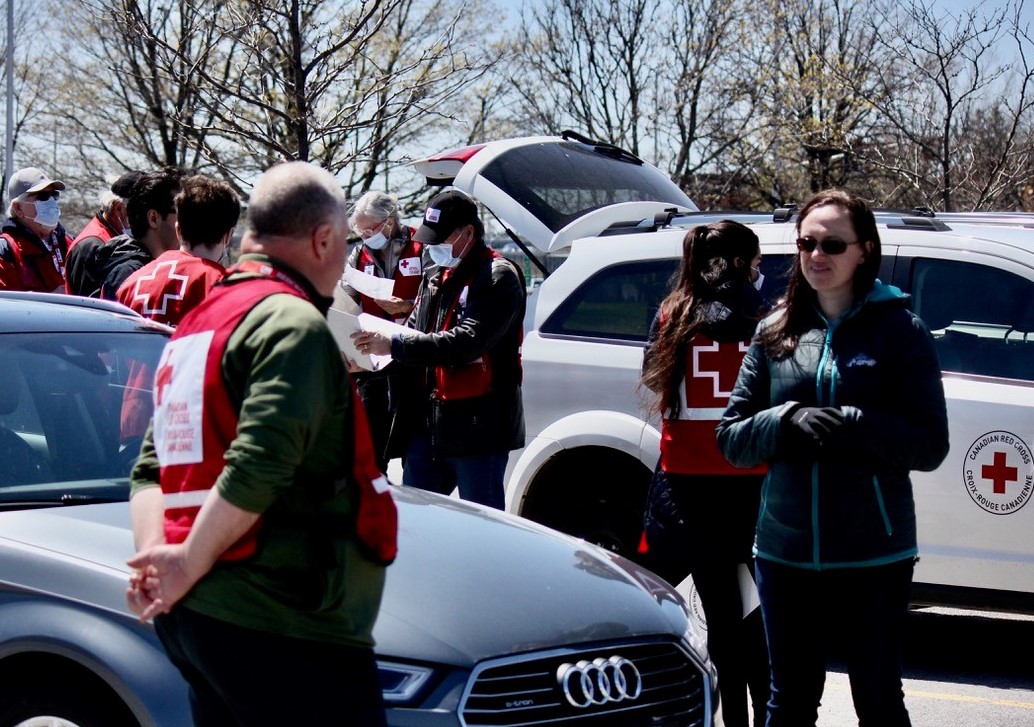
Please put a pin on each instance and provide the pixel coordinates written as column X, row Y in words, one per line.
column 961, row 667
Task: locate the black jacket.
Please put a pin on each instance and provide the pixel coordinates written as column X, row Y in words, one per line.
column 97, row 269
column 848, row 504
column 489, row 323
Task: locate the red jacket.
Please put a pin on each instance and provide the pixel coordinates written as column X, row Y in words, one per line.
column 26, row 263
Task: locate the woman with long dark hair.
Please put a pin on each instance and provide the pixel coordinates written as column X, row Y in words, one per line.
column 840, row 394
column 701, row 511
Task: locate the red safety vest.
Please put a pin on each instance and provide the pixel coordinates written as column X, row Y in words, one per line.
column 407, row 275
column 464, row 381
column 41, row 270
column 688, row 443
column 96, row 227
column 195, row 421
column 170, row 286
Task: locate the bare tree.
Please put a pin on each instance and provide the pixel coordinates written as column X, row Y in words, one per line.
column 947, row 83
column 587, row 65
column 234, row 86
column 813, row 73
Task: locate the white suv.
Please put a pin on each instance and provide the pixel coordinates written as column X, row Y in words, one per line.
column 613, row 228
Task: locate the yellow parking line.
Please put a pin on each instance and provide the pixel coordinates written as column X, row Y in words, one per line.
column 972, row 700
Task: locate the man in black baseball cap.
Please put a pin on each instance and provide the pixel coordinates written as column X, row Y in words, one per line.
column 458, row 421
column 112, row 220
column 446, row 212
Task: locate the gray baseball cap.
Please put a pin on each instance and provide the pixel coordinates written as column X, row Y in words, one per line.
column 29, row 181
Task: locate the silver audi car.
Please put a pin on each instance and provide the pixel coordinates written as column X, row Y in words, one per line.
column 487, row 619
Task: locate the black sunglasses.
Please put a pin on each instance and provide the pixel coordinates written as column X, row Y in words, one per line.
column 46, row 194
column 828, row 247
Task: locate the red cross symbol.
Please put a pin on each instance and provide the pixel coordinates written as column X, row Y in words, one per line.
column 404, row 263
column 162, row 280
column 162, row 378
column 999, row 473
column 719, row 362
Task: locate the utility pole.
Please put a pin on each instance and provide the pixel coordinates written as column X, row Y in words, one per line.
column 9, row 140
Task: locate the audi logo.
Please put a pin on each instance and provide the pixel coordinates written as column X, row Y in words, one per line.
column 599, row 681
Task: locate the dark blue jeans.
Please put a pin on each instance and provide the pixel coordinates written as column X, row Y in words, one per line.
column 479, row 478
column 861, row 612
column 244, row 678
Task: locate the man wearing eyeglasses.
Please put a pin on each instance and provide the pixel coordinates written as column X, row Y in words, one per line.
column 33, row 244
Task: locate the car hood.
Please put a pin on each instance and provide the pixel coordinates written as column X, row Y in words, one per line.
column 469, row 583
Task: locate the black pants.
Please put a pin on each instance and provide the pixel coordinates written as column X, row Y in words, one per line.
column 244, row 678
column 860, row 610
column 704, row 526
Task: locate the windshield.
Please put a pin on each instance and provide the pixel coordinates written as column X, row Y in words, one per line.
column 560, row 182
column 73, row 409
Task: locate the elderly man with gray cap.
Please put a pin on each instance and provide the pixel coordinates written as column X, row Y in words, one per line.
column 33, row 244
column 113, row 218
column 464, row 413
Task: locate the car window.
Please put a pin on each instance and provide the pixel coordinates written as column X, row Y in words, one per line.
column 989, row 332
column 619, row 302
column 559, row 182
column 73, row 408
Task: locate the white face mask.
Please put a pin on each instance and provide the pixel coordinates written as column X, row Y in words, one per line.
column 761, row 279
column 442, row 255
column 376, row 241
column 47, row 212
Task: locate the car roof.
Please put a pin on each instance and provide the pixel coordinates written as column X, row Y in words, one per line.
column 23, row 312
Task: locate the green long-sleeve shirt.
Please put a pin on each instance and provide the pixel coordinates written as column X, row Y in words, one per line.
column 284, row 368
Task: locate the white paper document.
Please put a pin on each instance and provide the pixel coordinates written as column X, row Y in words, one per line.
column 343, row 325
column 370, row 285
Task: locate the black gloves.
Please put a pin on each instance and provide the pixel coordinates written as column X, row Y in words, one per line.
column 810, row 427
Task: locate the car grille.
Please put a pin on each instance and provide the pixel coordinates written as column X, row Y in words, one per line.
column 526, row 690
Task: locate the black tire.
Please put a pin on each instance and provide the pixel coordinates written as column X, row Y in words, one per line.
column 596, row 495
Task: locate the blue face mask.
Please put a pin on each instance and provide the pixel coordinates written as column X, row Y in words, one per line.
column 376, row 242
column 47, row 212
column 442, row 255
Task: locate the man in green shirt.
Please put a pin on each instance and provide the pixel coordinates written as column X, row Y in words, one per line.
column 245, row 559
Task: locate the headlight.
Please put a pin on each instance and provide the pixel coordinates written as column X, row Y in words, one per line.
column 400, row 683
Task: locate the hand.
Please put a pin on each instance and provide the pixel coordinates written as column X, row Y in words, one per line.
column 159, row 580
column 351, row 366
column 812, row 426
column 371, row 342
column 395, row 307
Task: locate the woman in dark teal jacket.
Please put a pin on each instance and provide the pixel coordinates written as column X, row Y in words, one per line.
column 840, row 393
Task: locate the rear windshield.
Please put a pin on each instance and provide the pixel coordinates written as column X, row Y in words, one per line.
column 559, row 182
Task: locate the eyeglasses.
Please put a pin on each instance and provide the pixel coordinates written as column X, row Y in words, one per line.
column 45, row 195
column 830, row 246
column 371, row 231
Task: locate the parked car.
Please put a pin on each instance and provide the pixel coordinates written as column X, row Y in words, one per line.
column 591, row 447
column 487, row 618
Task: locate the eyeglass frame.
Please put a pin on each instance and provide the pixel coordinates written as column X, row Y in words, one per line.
column 810, row 244
column 374, row 230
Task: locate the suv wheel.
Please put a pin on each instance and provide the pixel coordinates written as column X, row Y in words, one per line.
column 592, row 493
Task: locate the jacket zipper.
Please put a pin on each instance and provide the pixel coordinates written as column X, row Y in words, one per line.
column 820, row 398
column 883, row 506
